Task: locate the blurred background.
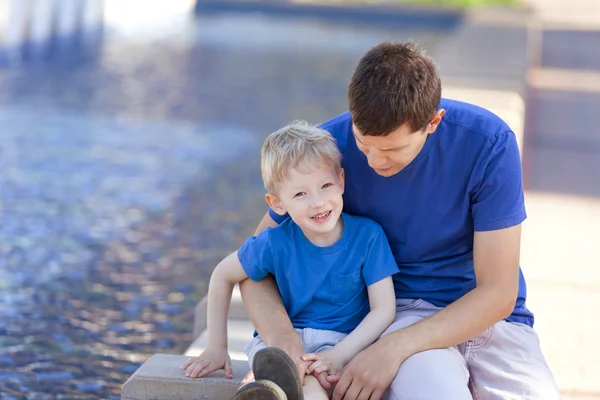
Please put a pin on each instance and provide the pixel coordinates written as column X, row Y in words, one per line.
column 129, row 160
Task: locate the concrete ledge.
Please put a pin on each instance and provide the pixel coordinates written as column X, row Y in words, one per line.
column 382, row 14
column 160, row 378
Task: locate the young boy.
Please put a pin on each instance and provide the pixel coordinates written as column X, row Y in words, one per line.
column 333, row 270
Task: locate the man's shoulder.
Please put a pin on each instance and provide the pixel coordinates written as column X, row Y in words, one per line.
column 466, row 117
column 340, row 127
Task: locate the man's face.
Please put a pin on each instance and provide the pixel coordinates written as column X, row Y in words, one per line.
column 390, row 154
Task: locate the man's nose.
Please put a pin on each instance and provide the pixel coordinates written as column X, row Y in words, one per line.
column 375, row 159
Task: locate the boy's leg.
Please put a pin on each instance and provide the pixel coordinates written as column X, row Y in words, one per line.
column 506, row 362
column 429, row 375
column 313, row 390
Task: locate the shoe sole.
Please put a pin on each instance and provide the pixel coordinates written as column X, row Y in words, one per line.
column 260, row 390
column 275, row 365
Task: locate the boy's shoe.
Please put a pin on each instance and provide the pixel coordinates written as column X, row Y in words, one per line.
column 275, row 365
column 260, row 390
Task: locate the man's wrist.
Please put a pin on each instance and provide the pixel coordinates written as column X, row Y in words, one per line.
column 404, row 343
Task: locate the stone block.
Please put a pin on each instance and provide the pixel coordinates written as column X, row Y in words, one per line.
column 160, row 378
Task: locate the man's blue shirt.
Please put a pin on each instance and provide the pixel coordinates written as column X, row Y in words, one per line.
column 466, row 178
column 321, row 287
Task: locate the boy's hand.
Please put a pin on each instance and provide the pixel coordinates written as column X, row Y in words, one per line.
column 327, row 361
column 209, row 361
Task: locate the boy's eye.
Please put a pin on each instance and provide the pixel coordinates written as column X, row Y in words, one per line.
column 298, row 194
column 325, row 186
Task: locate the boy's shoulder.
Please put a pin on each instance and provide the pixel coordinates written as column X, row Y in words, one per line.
column 362, row 225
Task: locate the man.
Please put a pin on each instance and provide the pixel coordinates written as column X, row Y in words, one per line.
column 444, row 180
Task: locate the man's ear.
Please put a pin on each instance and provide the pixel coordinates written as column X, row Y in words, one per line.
column 435, row 121
column 275, row 204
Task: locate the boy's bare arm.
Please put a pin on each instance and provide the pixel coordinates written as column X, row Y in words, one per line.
column 228, row 273
column 382, row 299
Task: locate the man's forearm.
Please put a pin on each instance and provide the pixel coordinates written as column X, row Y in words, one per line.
column 458, row 322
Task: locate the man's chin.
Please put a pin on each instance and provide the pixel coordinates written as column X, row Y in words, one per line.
column 386, row 173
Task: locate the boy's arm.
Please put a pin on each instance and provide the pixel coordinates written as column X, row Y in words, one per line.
column 228, row 273
column 382, row 300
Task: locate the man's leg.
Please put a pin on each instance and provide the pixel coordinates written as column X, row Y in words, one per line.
column 429, row 375
column 506, row 362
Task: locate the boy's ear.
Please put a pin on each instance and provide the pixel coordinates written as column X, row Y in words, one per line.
column 275, row 204
column 341, row 178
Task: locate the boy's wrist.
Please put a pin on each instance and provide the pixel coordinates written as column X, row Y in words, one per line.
column 340, row 356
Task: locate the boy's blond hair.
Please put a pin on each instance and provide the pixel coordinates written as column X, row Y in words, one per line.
column 293, row 145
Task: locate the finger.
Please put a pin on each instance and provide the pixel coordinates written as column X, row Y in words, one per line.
column 322, row 368
column 228, row 370
column 192, row 366
column 335, row 377
column 188, row 363
column 249, row 377
column 198, row 368
column 365, row 394
column 310, row 357
column 342, row 386
column 377, row 394
column 353, row 391
column 316, row 366
column 322, row 378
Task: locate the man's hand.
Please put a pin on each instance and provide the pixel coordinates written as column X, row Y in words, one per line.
column 370, row 372
column 209, row 361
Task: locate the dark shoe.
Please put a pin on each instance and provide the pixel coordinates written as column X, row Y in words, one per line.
column 275, row 365
column 260, row 390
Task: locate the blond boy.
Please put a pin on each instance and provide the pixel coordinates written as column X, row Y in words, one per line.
column 333, row 271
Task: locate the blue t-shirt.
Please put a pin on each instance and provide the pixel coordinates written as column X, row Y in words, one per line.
column 321, row 287
column 466, row 178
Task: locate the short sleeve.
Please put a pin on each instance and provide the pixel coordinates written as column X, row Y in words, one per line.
column 276, row 217
column 497, row 200
column 256, row 257
column 380, row 262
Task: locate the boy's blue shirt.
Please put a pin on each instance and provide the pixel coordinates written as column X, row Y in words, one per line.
column 321, row 287
column 466, row 178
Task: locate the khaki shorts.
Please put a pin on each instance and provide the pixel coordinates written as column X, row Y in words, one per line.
column 313, row 341
column 505, row 362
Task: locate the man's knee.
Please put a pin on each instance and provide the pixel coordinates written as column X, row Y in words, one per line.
column 431, row 375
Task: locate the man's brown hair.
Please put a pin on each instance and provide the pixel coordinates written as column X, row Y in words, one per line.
column 394, row 84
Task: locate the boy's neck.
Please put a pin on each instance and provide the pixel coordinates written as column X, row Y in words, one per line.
column 329, row 238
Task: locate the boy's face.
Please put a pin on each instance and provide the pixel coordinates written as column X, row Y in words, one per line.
column 312, row 195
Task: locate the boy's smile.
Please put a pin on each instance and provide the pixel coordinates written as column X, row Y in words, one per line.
column 312, row 196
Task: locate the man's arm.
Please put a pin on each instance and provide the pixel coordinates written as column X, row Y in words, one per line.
column 267, row 312
column 496, row 263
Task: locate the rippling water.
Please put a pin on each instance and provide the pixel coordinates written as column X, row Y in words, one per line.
column 127, row 176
